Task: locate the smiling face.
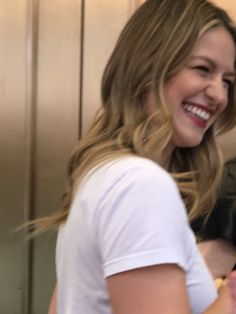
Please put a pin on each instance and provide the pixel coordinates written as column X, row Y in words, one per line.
column 198, row 93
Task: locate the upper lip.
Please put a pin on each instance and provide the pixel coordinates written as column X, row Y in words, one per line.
column 203, row 107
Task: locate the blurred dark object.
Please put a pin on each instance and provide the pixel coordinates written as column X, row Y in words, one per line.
column 221, row 223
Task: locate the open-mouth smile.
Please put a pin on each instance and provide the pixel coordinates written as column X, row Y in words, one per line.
column 199, row 114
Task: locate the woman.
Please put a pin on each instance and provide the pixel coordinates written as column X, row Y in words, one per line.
column 149, row 160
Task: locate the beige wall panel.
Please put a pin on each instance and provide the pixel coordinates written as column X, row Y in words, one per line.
column 228, row 140
column 57, row 126
column 104, row 20
column 57, row 123
column 12, row 110
column 228, row 5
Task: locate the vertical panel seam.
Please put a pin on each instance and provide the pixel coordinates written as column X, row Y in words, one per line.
column 32, row 20
column 81, row 72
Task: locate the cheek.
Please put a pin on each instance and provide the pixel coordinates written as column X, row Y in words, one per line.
column 174, row 95
column 219, row 113
column 171, row 93
column 224, row 106
column 179, row 88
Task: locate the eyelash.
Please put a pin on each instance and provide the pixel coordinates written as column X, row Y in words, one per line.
column 228, row 82
column 205, row 69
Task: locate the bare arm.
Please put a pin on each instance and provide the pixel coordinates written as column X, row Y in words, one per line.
column 226, row 302
column 53, row 303
column 158, row 289
column 232, row 285
column 149, row 290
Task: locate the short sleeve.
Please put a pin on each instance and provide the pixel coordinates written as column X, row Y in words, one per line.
column 141, row 221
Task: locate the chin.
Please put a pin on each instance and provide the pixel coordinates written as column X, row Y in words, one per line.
column 188, row 141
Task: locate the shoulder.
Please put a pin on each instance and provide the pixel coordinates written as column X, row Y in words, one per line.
column 140, row 216
column 136, row 170
column 140, row 181
column 133, row 180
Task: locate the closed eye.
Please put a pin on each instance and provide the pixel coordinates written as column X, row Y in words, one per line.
column 228, row 83
column 202, row 68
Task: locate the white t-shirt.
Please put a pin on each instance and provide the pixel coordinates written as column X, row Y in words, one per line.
column 125, row 214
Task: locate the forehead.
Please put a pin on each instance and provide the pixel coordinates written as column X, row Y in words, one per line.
column 218, row 45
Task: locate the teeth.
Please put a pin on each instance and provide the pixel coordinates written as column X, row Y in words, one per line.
column 197, row 111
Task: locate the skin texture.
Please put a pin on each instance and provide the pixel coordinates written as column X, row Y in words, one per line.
column 53, row 303
column 225, row 304
column 148, row 290
column 161, row 289
column 232, row 291
column 203, row 80
column 220, row 256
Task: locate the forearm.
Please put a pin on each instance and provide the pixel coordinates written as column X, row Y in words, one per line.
column 53, row 303
column 223, row 304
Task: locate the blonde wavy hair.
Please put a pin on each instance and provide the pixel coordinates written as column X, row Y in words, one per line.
column 152, row 47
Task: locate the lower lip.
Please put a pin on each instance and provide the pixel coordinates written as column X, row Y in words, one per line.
column 196, row 120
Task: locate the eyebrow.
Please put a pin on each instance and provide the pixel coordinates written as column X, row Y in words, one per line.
column 212, row 63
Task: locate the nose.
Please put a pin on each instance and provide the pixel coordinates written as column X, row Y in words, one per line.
column 217, row 92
